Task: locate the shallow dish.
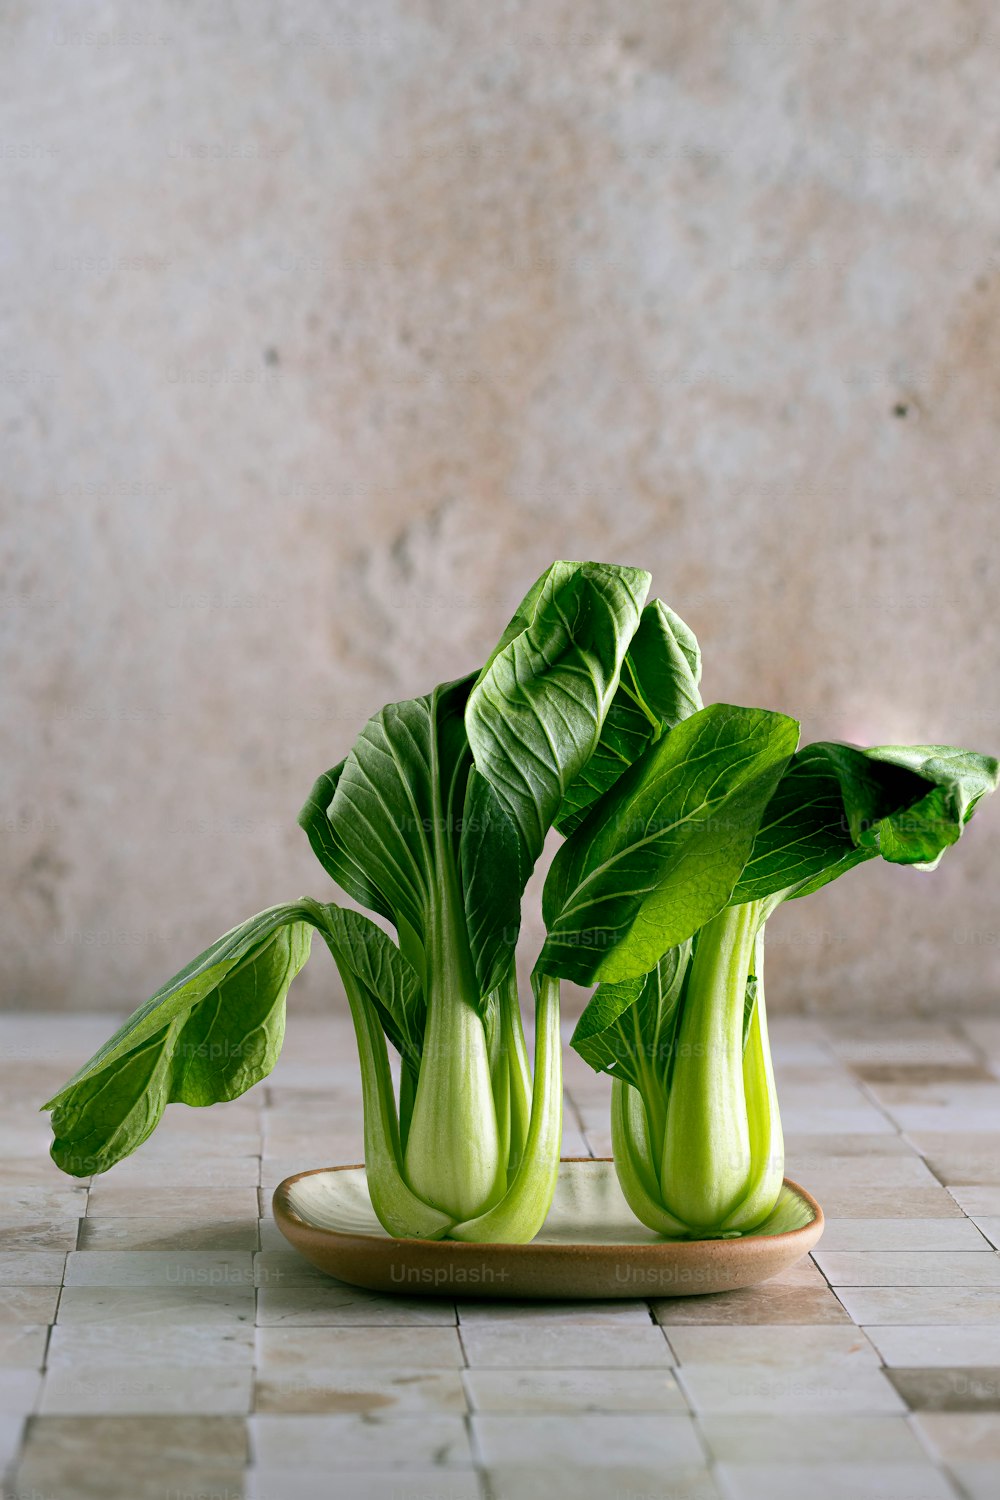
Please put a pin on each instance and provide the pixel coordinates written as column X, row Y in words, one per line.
column 591, row 1245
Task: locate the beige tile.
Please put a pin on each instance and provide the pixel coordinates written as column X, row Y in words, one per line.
column 343, row 1442
column 767, row 1303
column 23, row 1347
column 621, row 1313
column 36, row 1170
column 978, row 1481
column 151, row 1305
column 11, row 1430
column 370, row 1391
column 540, row 1346
column 114, row 1344
column 27, row 1304
column 961, row 1437
column 31, row 1268
column 953, row 1120
column 835, row 1346
column 960, row 1156
column 901, row 1041
column 765, row 1388
column 110, row 1199
column 29, row 1205
column 19, row 1390
column 921, row 1304
column 614, row 1482
column 814, row 1147
column 334, row 1304
column 169, row 1234
column 945, row 1345
column 159, row 1268
column 648, row 1439
column 910, row 1268
column 899, row 1234
column 148, row 1390
column 889, row 1203
column 820, row 1173
column 284, row 1352
column 187, row 1169
column 43, row 1234
column 823, row 1119
column 953, row 1388
column 554, row 1391
column 108, row 1458
column 283, row 1483
column 977, row 1199
column 808, row 1438
column 991, row 1229
column 835, row 1481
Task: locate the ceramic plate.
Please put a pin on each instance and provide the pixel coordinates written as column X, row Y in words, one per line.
column 591, row 1245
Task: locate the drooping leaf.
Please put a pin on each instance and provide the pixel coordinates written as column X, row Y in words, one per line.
column 493, row 880
column 387, row 979
column 627, row 1028
column 838, row 805
column 657, row 689
column 536, row 711
column 661, row 851
column 209, row 1035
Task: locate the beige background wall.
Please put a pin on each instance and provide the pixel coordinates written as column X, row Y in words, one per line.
column 325, row 328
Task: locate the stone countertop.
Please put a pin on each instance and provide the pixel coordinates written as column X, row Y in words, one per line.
column 159, row 1340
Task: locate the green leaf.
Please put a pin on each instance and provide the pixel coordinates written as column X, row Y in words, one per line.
column 627, row 1028
column 536, row 711
column 838, row 805
column 657, row 689
column 388, row 981
column 493, row 880
column 209, row 1035
column 660, row 853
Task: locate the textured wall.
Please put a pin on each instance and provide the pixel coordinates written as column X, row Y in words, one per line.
column 325, row 328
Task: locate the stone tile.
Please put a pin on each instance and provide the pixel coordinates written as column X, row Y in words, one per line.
column 283, row 1352
column 23, row 1347
column 555, row 1391
column 29, row 1205
column 812, row 1147
column 344, row 1442
column 838, row 1346
column 31, row 1268
column 542, row 1346
column 808, row 1438
column 43, row 1234
column 910, row 1082
column 613, row 1482
column 834, row 1481
column 901, row 1041
column 113, row 1344
column 36, row 1170
column 888, row 1203
column 941, row 1346
column 284, row 1483
column 19, row 1388
column 111, row 1199
column 650, row 1440
column 961, row 1437
column 821, row 1173
column 978, row 1481
column 147, row 1390
column 954, row 1120
column 921, row 1304
column 899, row 1234
column 960, row 1156
column 823, row 1119
column 27, row 1304
column 621, row 1313
column 910, row 1268
column 159, row 1268
column 169, row 1234
column 991, row 1229
column 333, row 1304
column 769, row 1389
column 187, row 1169
column 768, row 1303
column 108, row 1458
column 11, row 1429
column 980, row 1200
column 963, row 1389
column 364, row 1391
column 144, row 1305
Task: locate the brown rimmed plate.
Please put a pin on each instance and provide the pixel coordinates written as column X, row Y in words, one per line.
column 590, row 1246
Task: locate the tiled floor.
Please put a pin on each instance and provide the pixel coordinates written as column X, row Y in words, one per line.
column 159, row 1341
